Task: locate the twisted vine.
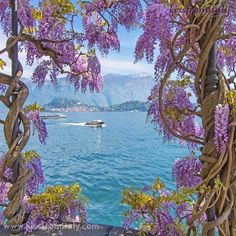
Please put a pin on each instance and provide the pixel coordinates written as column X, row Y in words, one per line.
column 16, row 140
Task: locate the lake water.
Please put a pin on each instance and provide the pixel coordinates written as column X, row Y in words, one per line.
column 126, row 152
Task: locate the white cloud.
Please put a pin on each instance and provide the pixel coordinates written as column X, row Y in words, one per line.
column 125, row 66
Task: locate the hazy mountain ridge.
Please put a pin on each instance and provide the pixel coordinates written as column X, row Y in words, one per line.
column 117, row 89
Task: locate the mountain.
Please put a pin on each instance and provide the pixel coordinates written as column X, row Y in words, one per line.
column 117, row 89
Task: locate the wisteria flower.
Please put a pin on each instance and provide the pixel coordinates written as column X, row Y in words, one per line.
column 186, row 172
column 221, row 126
column 39, row 125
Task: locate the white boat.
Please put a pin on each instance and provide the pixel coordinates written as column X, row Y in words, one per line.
column 95, row 123
column 52, row 116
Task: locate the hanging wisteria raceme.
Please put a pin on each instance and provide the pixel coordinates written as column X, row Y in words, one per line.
column 221, row 126
column 39, row 125
column 40, row 73
column 1, row 217
column 177, row 111
column 155, row 17
column 5, row 17
column 34, row 165
column 25, row 14
column 186, row 172
column 102, row 31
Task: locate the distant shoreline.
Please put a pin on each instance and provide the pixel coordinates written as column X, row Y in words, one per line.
column 75, row 106
column 65, row 111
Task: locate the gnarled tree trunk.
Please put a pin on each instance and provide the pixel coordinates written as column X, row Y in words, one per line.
column 219, row 203
column 16, row 140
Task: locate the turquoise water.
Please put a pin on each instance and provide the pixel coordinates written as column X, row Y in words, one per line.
column 126, row 152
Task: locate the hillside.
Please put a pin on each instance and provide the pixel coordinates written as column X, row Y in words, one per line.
column 128, row 106
column 67, row 105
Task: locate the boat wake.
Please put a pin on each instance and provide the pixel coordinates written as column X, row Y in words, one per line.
column 79, row 124
column 75, row 124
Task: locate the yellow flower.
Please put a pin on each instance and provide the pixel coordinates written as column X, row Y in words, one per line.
column 37, row 14
column 30, row 155
column 2, row 64
column 66, row 6
column 29, row 30
column 158, row 185
column 75, row 188
column 34, row 107
column 78, row 47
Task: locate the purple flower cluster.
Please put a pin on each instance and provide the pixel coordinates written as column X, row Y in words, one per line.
column 25, row 14
column 39, row 125
column 97, row 34
column 164, row 224
column 131, row 217
column 221, row 126
column 40, row 73
column 104, row 34
column 53, row 74
column 37, row 220
column 155, row 17
column 31, row 51
column 70, row 214
column 186, row 172
column 175, row 102
column 163, row 219
column 4, row 186
column 37, row 176
column 128, row 13
column 2, row 88
column 5, row 17
column 92, row 79
column 181, row 210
